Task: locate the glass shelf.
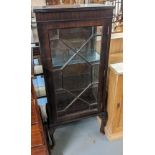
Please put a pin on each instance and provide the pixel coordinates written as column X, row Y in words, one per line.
column 58, row 62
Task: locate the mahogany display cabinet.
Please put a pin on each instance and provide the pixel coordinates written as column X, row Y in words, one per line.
column 74, row 44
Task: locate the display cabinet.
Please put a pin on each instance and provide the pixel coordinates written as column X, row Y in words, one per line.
column 74, row 64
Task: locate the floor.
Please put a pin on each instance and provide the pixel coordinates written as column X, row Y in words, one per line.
column 83, row 138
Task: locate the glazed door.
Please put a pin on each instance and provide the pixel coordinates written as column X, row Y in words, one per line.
column 75, row 63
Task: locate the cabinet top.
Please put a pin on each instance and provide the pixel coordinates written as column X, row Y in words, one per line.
column 71, row 7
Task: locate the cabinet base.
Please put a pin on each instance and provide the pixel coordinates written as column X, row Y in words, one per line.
column 51, row 138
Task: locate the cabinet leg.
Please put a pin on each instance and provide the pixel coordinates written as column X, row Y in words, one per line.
column 103, row 118
column 51, row 137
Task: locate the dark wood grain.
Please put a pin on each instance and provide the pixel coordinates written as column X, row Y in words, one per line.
column 71, row 8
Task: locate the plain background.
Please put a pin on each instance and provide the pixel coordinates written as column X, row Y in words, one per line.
column 139, row 77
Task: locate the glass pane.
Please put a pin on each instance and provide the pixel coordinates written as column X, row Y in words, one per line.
column 60, row 52
column 73, row 38
column 78, row 104
column 75, row 57
column 88, row 96
column 63, row 98
column 76, row 75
